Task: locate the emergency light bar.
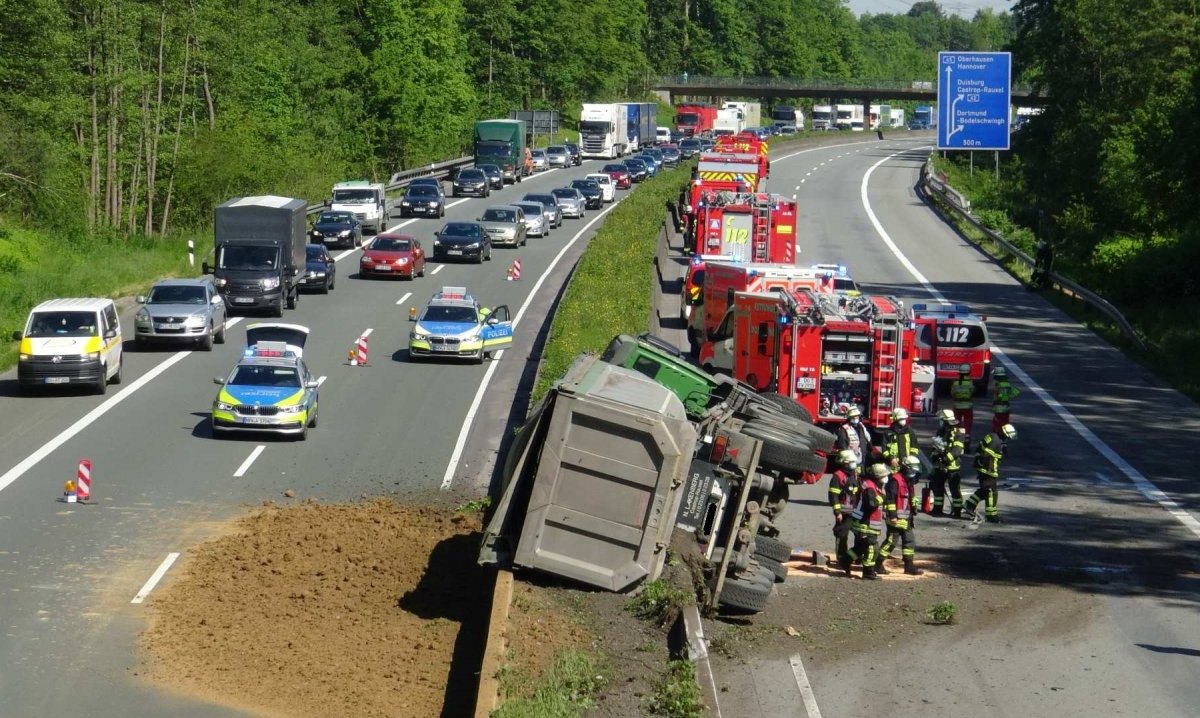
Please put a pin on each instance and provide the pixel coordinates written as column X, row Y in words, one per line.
column 941, row 308
column 268, row 349
column 452, row 293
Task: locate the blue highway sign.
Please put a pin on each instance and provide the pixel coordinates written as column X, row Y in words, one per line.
column 974, row 91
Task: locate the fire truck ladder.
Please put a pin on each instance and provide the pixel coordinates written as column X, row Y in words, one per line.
column 762, row 227
column 887, row 330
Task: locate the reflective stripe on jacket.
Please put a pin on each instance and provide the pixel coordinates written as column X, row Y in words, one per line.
column 963, row 393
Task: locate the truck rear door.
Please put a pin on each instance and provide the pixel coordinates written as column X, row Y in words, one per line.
column 735, row 235
column 755, row 332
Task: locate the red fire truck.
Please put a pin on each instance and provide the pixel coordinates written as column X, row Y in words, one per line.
column 828, row 352
column 695, row 119
column 746, row 227
column 747, row 145
column 722, row 280
column 950, row 335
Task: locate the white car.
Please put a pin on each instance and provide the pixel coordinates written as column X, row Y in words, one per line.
column 608, row 188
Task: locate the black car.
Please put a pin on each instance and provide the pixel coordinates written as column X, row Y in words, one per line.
column 592, row 194
column 671, row 155
column 637, row 169
column 320, row 270
column 340, row 228
column 494, row 175
column 689, row 147
column 471, row 181
column 574, row 151
column 422, row 200
column 462, row 240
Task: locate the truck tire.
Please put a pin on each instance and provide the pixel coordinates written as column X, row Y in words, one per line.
column 787, row 405
column 781, row 451
column 772, row 548
column 747, row 596
column 755, row 571
column 820, row 439
column 292, row 298
column 777, row 569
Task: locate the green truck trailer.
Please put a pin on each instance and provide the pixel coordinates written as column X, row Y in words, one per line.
column 502, row 143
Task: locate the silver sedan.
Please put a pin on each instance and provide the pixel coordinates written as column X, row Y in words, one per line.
column 570, row 200
column 536, row 222
column 541, row 163
column 558, row 156
column 181, row 310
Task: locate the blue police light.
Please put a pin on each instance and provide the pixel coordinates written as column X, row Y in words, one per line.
column 783, row 319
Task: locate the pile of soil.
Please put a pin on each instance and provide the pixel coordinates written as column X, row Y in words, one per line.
column 374, row 609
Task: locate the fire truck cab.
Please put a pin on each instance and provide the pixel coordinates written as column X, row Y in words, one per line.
column 746, row 145
column 828, row 352
column 950, row 335
column 710, row 329
column 693, row 282
column 746, row 227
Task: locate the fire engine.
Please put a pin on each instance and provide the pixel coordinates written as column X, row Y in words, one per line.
column 746, row 145
column 724, row 279
column 746, row 227
column 829, row 352
column 950, row 335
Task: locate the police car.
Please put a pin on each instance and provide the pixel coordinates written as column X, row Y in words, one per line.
column 843, row 283
column 453, row 325
column 270, row 388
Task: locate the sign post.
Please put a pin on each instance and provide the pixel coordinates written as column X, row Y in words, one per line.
column 974, row 94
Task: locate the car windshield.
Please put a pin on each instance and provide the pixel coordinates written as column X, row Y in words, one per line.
column 353, row 196
column 460, row 315
column 963, row 336
column 63, row 324
column 564, row 193
column 691, row 144
column 421, row 190
column 556, row 150
column 335, row 218
column 314, row 253
column 390, row 244
column 585, row 184
column 499, row 215
column 538, row 153
column 251, row 375
column 240, row 256
column 177, row 295
column 532, row 209
column 615, row 168
column 540, row 198
column 638, row 164
column 470, row 175
column 601, row 179
column 460, row 230
column 670, row 152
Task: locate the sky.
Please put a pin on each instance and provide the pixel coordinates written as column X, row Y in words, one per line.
column 965, row 8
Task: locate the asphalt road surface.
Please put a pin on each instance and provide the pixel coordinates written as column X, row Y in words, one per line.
column 160, row 482
column 1099, row 500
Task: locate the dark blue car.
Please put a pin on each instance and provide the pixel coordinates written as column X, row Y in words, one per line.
column 319, row 270
column 340, row 228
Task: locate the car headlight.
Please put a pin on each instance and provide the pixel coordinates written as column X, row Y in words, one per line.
column 436, row 243
column 433, row 204
column 222, row 406
column 402, row 261
column 418, row 333
column 142, row 317
column 25, row 357
column 364, row 259
column 473, row 245
column 270, row 283
column 404, row 203
column 196, row 320
column 221, row 281
column 345, row 233
column 91, row 356
column 316, row 273
column 293, row 409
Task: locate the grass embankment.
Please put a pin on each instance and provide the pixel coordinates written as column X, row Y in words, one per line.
column 1171, row 332
column 609, row 293
column 40, row 265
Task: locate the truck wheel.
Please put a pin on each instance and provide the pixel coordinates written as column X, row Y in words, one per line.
column 772, row 548
column 787, row 405
column 293, row 298
column 781, row 451
column 777, row 569
column 742, row 595
column 820, row 439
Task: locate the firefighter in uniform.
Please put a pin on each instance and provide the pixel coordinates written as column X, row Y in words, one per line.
column 900, row 510
column 899, row 440
column 992, row 449
column 948, row 449
column 962, row 391
column 843, row 485
column 1003, row 392
column 867, row 518
column 853, row 435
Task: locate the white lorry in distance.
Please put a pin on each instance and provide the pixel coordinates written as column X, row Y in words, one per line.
column 751, row 113
column 849, row 116
column 365, row 200
column 602, row 130
column 728, row 122
column 822, row 117
column 898, row 118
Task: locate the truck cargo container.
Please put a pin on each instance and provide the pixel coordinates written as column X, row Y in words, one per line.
column 642, row 121
column 603, row 130
column 259, row 252
column 502, row 143
column 695, row 119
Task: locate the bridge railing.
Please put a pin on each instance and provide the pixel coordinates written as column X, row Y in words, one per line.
column 957, row 202
column 813, row 83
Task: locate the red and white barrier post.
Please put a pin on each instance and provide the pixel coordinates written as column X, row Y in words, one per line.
column 361, row 351
column 83, row 480
column 514, row 272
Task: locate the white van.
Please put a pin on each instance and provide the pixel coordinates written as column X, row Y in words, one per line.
column 70, row 341
column 662, row 135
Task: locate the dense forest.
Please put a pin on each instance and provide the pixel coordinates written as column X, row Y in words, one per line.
column 135, row 117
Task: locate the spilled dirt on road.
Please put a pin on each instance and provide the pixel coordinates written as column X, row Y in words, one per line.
column 372, row 609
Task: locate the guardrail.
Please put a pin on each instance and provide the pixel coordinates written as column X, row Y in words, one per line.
column 958, row 203
column 401, row 179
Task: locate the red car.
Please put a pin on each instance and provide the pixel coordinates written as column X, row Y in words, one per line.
column 620, row 175
column 395, row 255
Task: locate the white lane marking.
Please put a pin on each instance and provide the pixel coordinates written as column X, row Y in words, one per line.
column 367, row 332
column 806, row 691
column 403, row 224
column 437, row 269
column 461, row 443
column 89, row 418
column 155, row 577
column 798, row 186
column 321, row 380
column 404, row 299
column 233, row 322
column 343, row 254
column 1103, row 477
column 241, row 471
column 1144, row 485
column 455, row 204
column 802, row 182
column 808, row 174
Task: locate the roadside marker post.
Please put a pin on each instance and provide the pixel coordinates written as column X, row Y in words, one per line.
column 514, row 272
column 83, row 479
column 358, row 352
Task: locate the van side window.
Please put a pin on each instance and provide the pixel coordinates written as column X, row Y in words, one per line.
column 110, row 318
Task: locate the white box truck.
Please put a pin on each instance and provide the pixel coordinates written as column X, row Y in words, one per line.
column 603, row 130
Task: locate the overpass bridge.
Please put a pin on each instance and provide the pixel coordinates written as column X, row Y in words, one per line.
column 866, row 91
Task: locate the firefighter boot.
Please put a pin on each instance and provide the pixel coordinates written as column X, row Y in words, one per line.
column 937, row 511
column 956, row 512
column 910, row 569
column 879, row 567
column 844, row 563
column 869, row 573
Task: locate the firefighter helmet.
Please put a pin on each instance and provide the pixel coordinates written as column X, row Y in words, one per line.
column 1008, row 431
column 949, row 417
column 1000, row 372
column 899, row 413
column 853, row 412
column 879, row 471
column 964, row 369
column 912, row 462
column 846, row 457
